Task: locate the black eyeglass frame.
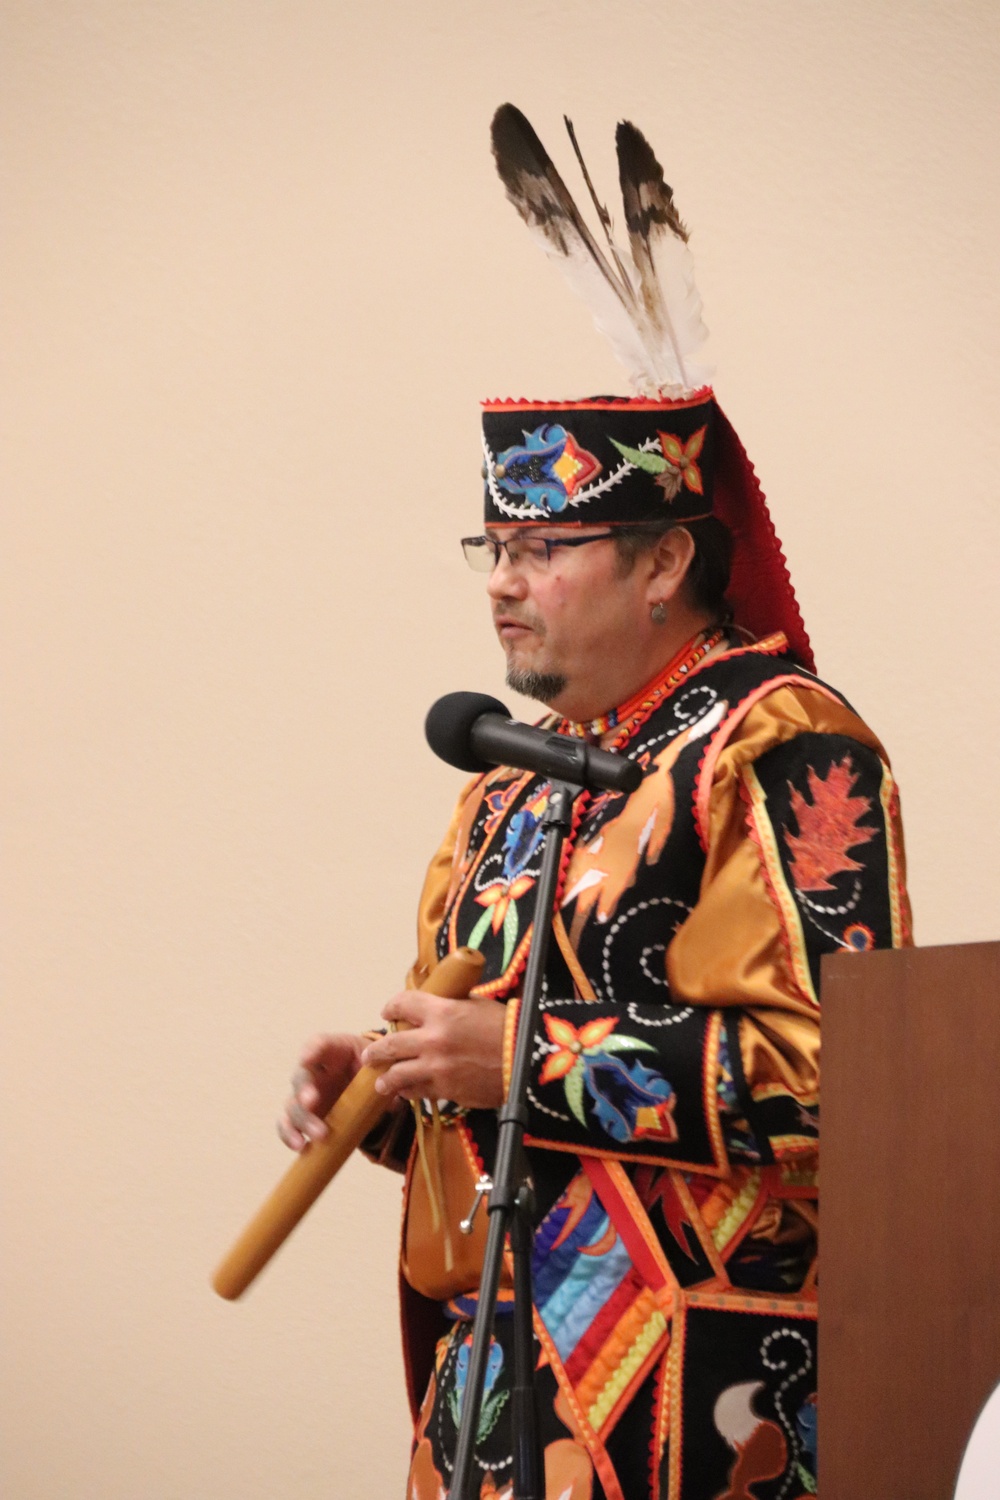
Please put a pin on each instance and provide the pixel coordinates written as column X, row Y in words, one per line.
column 491, row 543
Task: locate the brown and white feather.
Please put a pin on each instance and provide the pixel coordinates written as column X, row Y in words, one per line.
column 658, row 241
column 540, row 196
column 646, row 302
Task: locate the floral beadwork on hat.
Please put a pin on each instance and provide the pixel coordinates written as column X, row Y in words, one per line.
column 675, row 466
column 598, row 462
column 547, row 469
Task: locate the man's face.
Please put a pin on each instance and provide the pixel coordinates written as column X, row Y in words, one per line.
column 569, row 629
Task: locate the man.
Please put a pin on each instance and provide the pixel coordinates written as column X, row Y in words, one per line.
column 673, row 1106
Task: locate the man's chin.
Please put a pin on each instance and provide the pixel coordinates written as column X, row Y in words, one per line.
column 546, row 687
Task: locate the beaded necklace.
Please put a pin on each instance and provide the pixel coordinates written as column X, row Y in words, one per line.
column 641, row 705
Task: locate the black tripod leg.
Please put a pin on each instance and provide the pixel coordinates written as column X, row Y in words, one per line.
column 507, row 1211
column 529, row 1475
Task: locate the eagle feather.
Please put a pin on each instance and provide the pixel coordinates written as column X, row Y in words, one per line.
column 648, row 309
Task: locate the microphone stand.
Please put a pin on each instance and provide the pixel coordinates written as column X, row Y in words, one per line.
column 511, row 1208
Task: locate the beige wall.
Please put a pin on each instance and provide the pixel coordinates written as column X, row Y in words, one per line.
column 256, row 273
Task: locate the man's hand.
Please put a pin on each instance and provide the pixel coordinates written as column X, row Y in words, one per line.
column 325, row 1069
column 453, row 1051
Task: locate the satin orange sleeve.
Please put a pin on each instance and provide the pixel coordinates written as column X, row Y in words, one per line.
column 442, row 874
column 744, row 944
column 389, row 1143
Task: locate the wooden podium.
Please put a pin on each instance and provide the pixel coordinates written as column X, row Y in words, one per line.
column 910, row 1217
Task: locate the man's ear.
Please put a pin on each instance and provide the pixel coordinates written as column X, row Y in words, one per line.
column 670, row 560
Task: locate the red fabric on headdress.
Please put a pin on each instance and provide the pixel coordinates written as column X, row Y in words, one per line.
column 760, row 588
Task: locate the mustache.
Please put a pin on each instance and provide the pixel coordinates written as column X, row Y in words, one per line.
column 504, row 614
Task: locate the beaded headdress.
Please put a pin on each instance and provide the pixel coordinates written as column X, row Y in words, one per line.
column 666, row 451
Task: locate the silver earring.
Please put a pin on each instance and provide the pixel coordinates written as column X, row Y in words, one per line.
column 658, row 614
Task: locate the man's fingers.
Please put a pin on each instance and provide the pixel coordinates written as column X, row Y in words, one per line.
column 298, row 1124
column 326, row 1067
column 405, row 1080
column 297, row 1137
column 304, row 1119
column 329, row 1058
column 391, row 1048
column 292, row 1138
column 306, row 1091
column 309, row 1097
column 409, row 1006
column 315, row 1053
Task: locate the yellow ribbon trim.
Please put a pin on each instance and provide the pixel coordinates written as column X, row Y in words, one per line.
column 602, row 1407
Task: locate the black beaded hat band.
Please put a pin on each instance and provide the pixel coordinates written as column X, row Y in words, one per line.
column 602, row 462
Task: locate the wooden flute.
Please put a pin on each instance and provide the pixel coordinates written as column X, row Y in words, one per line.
column 356, row 1112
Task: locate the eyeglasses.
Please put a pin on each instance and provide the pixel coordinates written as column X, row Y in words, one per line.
column 483, row 552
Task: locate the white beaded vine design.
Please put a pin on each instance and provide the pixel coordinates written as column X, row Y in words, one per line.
column 777, row 1364
column 479, row 884
column 680, row 1014
column 810, row 908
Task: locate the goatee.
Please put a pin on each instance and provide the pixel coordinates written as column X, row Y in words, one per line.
column 541, row 685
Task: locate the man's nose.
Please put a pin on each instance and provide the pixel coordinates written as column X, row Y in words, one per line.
column 506, row 581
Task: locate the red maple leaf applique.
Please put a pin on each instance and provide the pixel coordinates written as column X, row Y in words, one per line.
column 828, row 827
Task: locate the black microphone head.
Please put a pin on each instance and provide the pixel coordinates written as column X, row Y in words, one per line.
column 448, row 727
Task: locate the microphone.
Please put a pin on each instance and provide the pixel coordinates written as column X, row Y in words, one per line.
column 475, row 732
